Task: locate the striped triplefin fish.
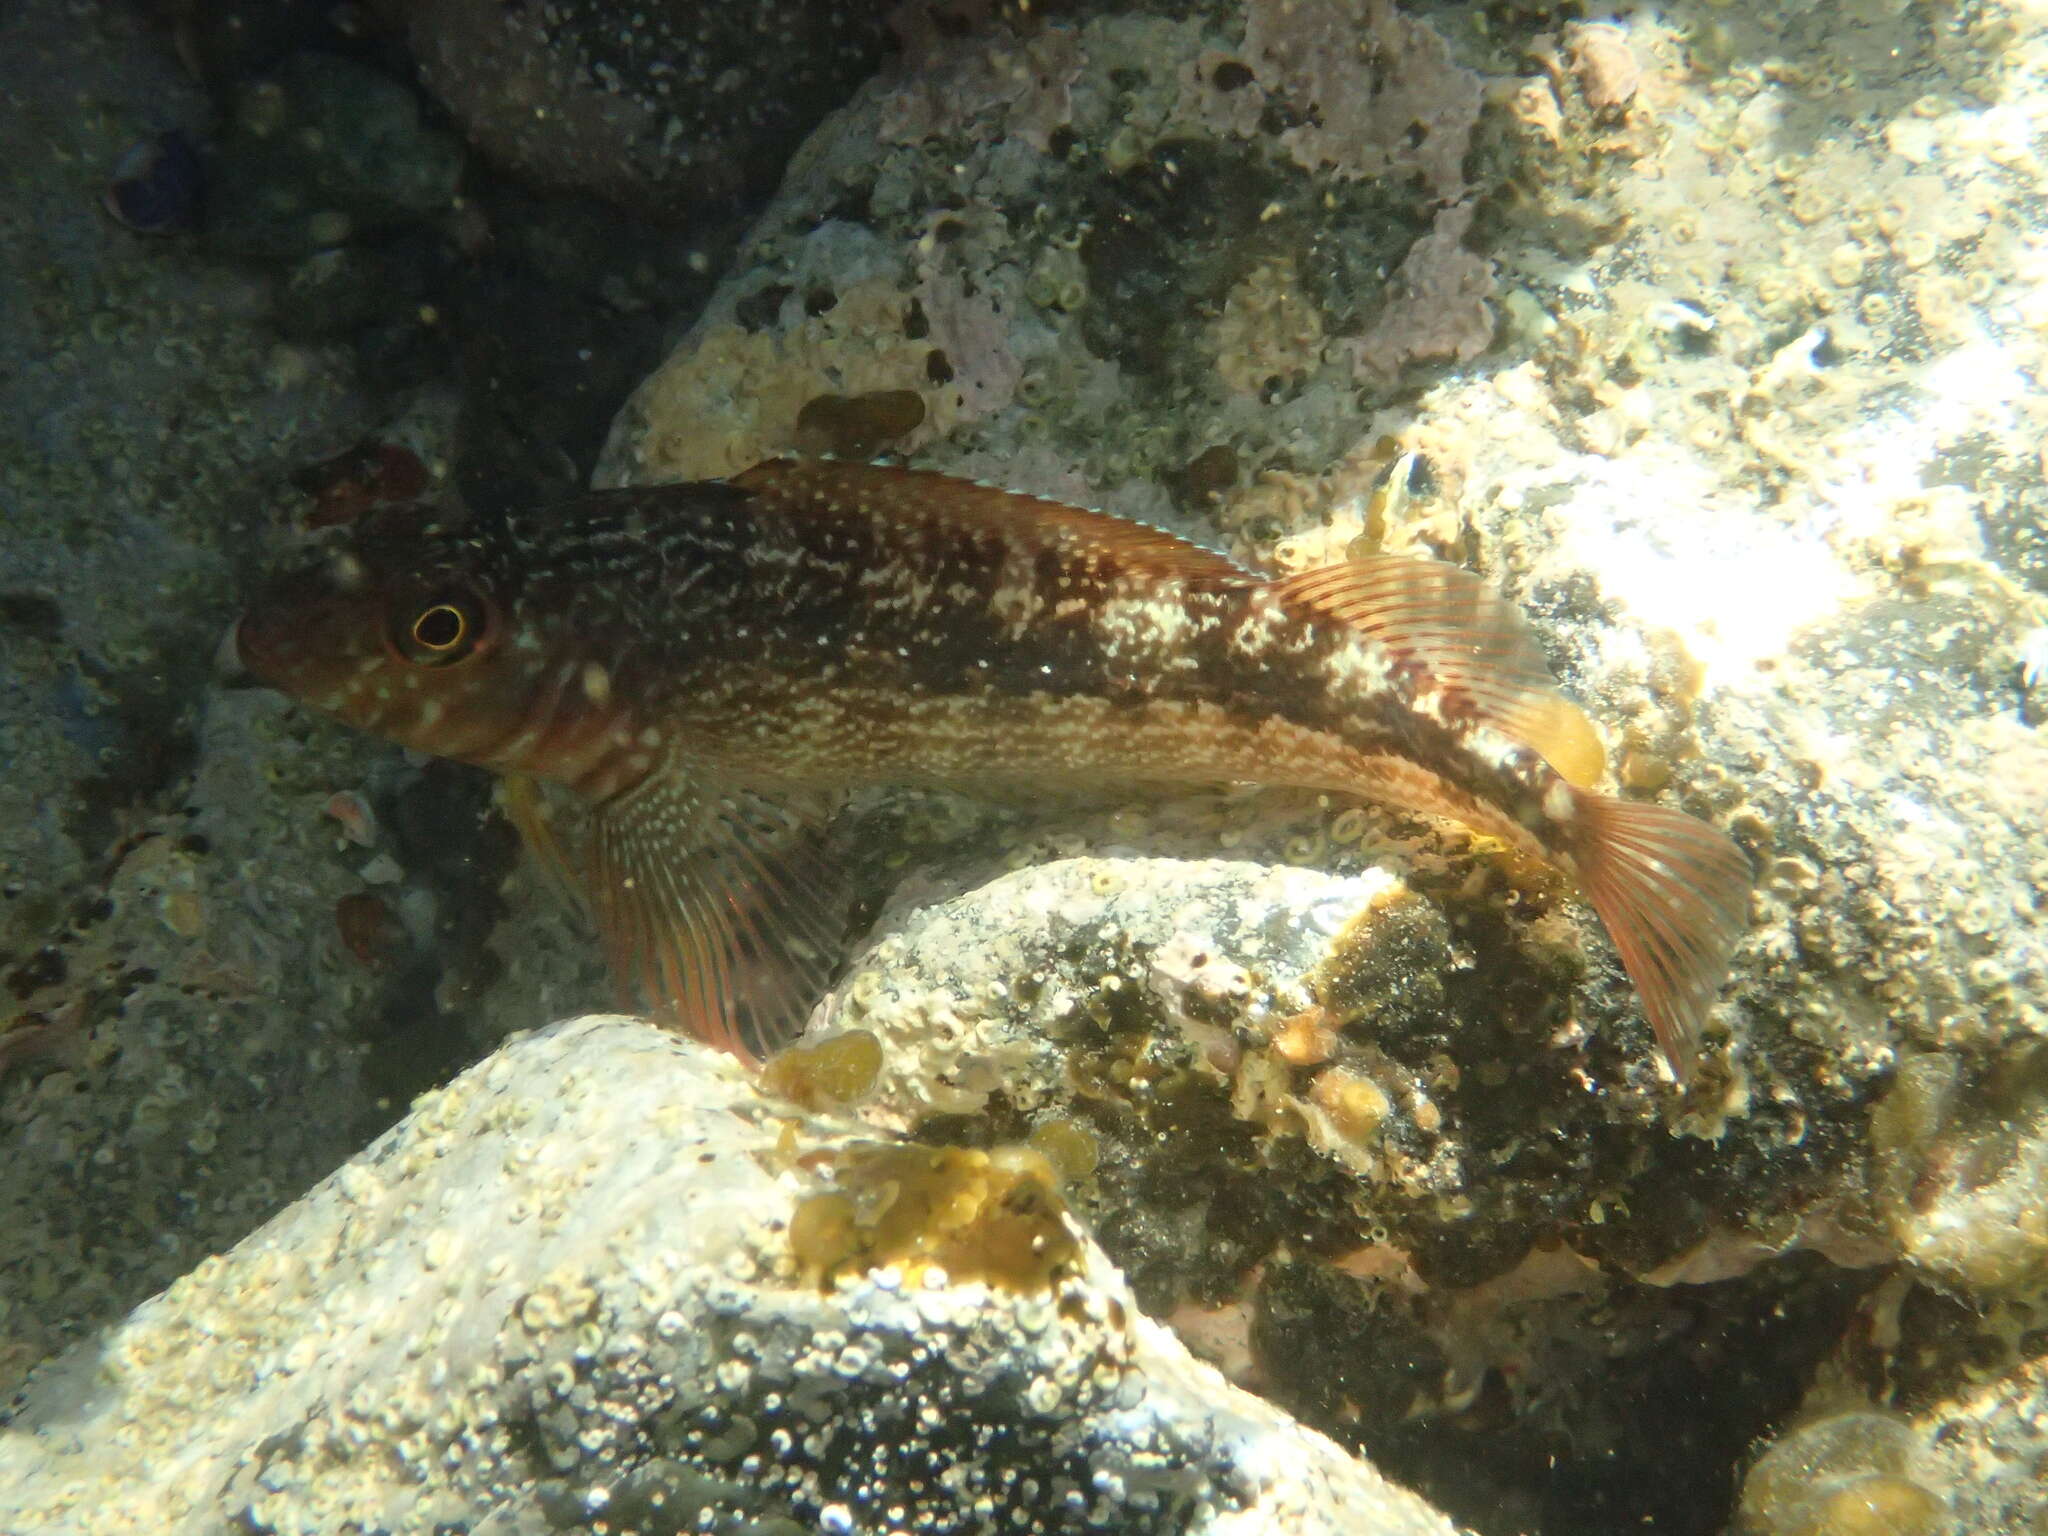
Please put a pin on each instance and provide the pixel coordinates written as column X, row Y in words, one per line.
column 710, row 666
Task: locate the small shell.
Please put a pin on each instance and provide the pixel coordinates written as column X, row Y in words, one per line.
column 369, row 929
column 358, row 821
column 858, row 426
column 157, row 185
column 1604, row 63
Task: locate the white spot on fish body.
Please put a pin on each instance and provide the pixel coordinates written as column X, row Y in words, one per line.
column 1253, row 635
column 1364, row 670
column 1158, row 624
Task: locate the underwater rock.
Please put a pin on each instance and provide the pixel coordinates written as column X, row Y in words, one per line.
column 983, row 995
column 1227, row 1051
column 320, row 151
column 1983, row 1452
column 1848, row 1474
column 1039, row 227
column 1776, row 517
column 602, row 1278
column 659, row 107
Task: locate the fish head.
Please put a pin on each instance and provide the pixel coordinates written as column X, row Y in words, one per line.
column 418, row 636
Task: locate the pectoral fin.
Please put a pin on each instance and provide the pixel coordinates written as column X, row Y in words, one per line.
column 718, row 907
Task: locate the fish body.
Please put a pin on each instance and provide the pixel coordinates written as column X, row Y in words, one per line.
column 710, row 665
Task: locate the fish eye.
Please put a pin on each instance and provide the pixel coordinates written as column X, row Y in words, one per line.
column 446, row 627
column 440, row 628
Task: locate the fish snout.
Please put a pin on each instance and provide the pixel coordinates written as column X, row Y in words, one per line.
column 289, row 645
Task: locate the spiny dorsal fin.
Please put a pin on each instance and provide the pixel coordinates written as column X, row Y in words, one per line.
column 892, row 494
column 1465, row 636
column 1673, row 894
column 717, row 905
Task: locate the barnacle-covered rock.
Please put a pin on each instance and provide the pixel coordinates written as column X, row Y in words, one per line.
column 1029, row 223
column 602, row 1281
column 1296, row 1108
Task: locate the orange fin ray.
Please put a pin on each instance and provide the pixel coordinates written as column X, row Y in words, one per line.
column 1464, row 636
column 1673, row 893
column 519, row 797
column 718, row 907
column 889, row 494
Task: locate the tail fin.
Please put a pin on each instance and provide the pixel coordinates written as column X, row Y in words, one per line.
column 1673, row 893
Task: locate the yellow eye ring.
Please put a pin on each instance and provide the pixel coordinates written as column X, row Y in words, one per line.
column 447, row 627
column 440, row 629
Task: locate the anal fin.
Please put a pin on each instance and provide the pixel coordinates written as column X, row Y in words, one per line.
column 1673, row 894
column 718, row 907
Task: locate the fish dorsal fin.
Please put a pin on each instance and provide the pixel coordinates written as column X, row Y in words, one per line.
column 895, row 495
column 717, row 906
column 1463, row 635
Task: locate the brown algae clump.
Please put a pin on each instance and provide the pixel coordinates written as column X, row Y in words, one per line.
column 828, row 1075
column 994, row 1216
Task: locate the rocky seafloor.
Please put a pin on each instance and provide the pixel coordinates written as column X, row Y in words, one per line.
column 1247, row 1161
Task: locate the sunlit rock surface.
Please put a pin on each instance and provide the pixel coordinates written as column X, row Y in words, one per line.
column 1709, row 335
column 602, row 1282
column 1726, row 386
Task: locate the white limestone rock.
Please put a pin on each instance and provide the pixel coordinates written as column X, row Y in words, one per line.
column 567, row 1289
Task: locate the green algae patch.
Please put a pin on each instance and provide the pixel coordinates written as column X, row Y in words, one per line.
column 993, row 1216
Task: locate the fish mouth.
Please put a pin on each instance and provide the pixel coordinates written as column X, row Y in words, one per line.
column 299, row 635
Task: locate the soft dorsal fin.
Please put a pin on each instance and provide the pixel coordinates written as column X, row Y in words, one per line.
column 1465, row 636
column 891, row 494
